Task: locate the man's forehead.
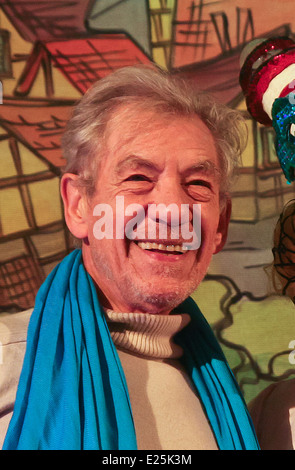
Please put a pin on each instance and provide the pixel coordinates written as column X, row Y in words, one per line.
column 131, row 121
column 132, row 131
column 147, row 139
column 133, row 162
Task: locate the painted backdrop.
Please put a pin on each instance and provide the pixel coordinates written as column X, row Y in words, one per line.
column 51, row 51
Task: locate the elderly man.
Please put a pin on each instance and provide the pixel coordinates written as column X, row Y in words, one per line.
column 118, row 356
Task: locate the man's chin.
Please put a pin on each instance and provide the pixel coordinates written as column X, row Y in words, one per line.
column 159, row 302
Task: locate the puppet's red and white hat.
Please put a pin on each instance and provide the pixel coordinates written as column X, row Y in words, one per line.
column 267, row 73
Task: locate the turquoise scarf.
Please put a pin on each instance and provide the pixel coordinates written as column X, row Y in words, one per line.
column 72, row 392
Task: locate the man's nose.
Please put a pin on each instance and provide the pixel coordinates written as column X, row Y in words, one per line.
column 171, row 198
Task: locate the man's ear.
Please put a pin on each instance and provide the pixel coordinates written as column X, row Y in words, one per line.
column 75, row 205
column 225, row 214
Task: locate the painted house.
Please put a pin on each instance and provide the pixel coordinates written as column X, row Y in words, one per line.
column 261, row 189
column 33, row 233
column 200, row 45
column 43, row 73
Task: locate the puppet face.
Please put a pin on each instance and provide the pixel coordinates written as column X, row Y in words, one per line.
column 283, row 115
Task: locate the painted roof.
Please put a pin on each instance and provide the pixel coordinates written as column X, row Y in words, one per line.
column 46, row 19
column 39, row 125
column 219, row 76
column 82, row 60
column 85, row 60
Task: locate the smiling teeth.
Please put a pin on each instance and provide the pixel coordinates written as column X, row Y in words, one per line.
column 162, row 247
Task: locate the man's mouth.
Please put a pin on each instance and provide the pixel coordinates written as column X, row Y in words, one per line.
column 164, row 248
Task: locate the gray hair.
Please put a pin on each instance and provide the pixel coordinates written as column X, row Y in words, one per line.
column 148, row 88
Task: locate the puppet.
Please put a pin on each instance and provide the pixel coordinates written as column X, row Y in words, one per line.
column 267, row 78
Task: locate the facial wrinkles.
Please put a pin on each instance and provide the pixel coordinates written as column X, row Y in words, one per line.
column 205, row 167
column 138, row 124
column 115, row 263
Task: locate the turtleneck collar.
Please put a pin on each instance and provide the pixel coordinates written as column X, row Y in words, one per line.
column 146, row 334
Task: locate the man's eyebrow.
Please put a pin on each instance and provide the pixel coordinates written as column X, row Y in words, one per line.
column 136, row 162
column 205, row 166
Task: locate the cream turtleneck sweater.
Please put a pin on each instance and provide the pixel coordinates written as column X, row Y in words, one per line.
column 167, row 413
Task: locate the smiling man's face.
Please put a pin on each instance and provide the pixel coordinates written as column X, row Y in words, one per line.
column 155, row 159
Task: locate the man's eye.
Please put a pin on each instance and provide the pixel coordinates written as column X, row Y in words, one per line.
column 137, row 178
column 199, row 183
